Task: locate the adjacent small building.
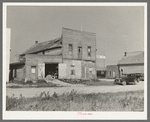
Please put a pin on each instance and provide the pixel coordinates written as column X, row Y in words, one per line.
column 101, row 72
column 72, row 56
column 112, row 71
column 132, row 62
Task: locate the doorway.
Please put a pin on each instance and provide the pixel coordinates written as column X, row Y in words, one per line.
column 51, row 69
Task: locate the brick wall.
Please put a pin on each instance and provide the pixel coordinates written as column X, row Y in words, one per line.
column 78, row 38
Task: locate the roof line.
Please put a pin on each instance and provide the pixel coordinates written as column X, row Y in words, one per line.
column 135, row 51
column 50, row 40
column 28, row 49
column 39, row 43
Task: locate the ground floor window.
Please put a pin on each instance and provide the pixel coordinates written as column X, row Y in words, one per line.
column 72, row 72
column 33, row 68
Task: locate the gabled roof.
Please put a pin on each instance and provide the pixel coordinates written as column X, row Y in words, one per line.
column 132, row 58
column 43, row 46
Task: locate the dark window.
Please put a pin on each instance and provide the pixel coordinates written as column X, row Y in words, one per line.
column 70, row 49
column 79, row 50
column 122, row 70
column 89, row 51
column 72, row 72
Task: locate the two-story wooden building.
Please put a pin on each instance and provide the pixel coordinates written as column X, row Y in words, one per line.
column 72, row 56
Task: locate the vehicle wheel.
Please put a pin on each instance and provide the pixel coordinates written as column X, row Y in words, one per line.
column 135, row 81
column 124, row 83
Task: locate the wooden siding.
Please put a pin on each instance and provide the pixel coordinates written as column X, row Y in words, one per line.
column 56, row 51
column 132, row 69
column 53, row 51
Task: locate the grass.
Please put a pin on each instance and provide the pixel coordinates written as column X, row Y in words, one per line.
column 33, row 85
column 43, row 83
column 122, row 101
column 30, row 84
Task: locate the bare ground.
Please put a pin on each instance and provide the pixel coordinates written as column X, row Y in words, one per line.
column 32, row 92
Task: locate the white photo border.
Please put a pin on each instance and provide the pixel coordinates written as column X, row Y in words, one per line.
column 59, row 115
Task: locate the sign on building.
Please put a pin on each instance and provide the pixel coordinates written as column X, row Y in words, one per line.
column 101, row 56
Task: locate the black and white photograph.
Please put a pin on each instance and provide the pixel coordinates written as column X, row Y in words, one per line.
column 75, row 61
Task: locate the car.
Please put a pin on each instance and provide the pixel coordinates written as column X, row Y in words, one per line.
column 127, row 79
column 140, row 76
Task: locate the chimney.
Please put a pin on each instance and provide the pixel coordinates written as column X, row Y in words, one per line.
column 125, row 53
column 36, row 42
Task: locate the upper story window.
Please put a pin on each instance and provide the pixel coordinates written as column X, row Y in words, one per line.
column 89, row 51
column 70, row 48
column 79, row 50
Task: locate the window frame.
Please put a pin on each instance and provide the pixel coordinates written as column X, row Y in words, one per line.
column 80, row 47
column 70, row 50
column 89, row 47
column 33, row 67
column 72, row 72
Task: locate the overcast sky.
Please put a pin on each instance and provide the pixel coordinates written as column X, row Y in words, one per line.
column 118, row 29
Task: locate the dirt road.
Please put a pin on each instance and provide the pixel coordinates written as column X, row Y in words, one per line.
column 32, row 92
